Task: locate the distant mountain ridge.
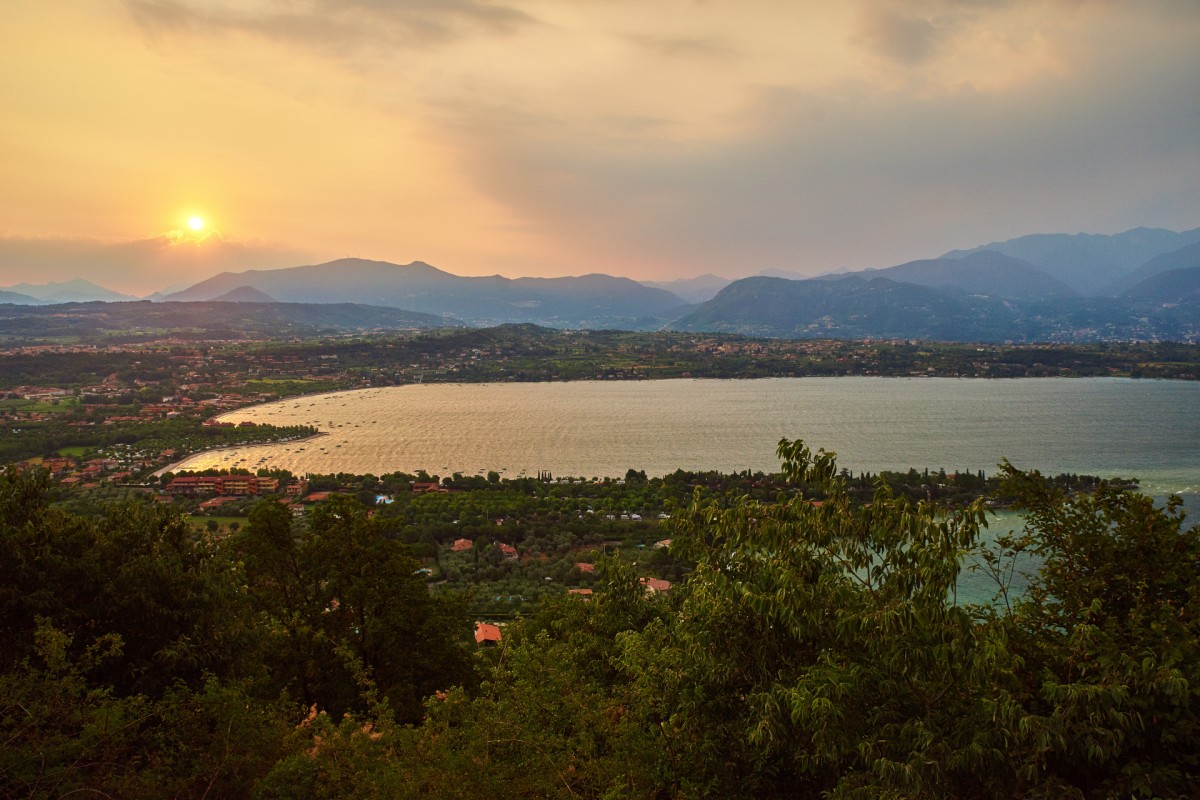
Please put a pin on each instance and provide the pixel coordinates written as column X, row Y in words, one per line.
column 1092, row 264
column 132, row 321
column 584, row 301
column 244, row 294
column 985, row 272
column 1042, row 287
column 18, row 299
column 1183, row 258
column 1173, row 287
column 1163, row 307
column 76, row 290
column 693, row 290
column 853, row 307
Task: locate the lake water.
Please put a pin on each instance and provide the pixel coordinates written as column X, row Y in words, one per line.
column 1100, row 426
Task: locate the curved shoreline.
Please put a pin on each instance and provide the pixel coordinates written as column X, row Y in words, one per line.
column 175, row 465
column 572, row 428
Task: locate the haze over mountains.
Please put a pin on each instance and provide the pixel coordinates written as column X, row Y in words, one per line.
column 587, row 301
column 1034, row 288
column 1140, row 284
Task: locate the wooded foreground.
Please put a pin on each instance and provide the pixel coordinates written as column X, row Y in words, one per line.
column 814, row 649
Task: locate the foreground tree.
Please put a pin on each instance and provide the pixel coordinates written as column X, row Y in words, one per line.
column 348, row 612
column 1108, row 633
column 817, row 649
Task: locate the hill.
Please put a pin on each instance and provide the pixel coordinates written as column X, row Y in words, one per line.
column 983, row 272
column 17, row 298
column 854, row 307
column 586, row 301
column 1091, row 264
column 244, row 294
column 1183, row 258
column 693, row 290
column 1177, row 287
column 77, row 290
column 135, row 321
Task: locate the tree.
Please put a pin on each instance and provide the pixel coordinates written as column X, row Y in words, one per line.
column 349, row 612
column 817, row 648
column 1109, row 631
column 135, row 572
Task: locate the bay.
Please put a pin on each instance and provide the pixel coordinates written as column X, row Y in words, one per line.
column 1101, row 426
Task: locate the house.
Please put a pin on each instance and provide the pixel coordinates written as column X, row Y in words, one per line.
column 239, row 485
column 216, row 502
column 461, row 544
column 422, row 487
column 191, row 484
column 507, row 550
column 57, row 465
column 583, row 566
column 584, row 593
column 487, row 634
column 655, row 585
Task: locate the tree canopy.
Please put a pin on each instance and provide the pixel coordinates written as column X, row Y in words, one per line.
column 816, row 647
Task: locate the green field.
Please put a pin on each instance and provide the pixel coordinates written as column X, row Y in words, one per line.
column 200, row 523
column 56, row 406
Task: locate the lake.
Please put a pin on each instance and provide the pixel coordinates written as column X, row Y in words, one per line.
column 1100, row 426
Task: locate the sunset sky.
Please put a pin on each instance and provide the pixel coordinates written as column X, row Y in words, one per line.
column 656, row 139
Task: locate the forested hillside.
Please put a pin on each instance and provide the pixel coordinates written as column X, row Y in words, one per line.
column 814, row 648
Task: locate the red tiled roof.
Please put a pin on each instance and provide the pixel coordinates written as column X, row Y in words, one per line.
column 486, row 632
column 656, row 585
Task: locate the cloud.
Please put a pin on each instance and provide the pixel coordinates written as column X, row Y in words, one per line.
column 901, row 37
column 339, row 25
column 866, row 176
column 700, row 47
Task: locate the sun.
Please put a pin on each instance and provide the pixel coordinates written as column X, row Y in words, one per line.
column 196, row 223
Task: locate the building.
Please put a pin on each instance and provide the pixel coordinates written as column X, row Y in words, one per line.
column 655, row 585
column 487, row 634
column 233, row 485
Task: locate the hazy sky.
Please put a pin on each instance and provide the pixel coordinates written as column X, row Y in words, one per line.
column 650, row 138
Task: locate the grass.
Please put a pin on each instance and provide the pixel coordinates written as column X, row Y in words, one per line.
column 56, row 406
column 201, row 523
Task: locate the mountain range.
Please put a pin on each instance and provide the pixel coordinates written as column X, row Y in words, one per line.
column 1140, row 284
column 588, row 301
column 1095, row 265
column 1034, row 288
column 77, row 290
column 229, row 319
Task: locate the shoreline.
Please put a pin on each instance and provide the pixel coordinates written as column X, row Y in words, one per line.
column 733, row 440
column 175, row 465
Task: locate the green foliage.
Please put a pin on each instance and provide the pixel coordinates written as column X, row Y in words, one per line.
column 814, row 648
column 347, row 611
column 1110, row 633
column 818, row 643
column 817, row 650
column 65, row 735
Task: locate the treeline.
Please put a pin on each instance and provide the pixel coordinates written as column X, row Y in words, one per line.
column 183, row 434
column 814, row 649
